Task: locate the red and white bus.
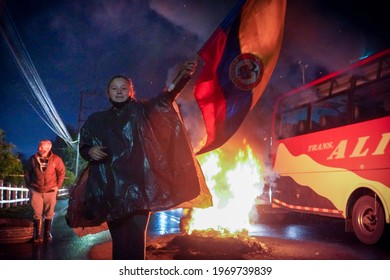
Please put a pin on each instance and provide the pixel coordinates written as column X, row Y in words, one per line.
column 331, row 148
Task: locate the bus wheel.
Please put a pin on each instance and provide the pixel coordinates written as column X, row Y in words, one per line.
column 368, row 220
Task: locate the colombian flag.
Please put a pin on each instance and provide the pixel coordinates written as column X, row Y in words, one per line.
column 239, row 59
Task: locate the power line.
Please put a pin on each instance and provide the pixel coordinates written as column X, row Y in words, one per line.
column 44, row 107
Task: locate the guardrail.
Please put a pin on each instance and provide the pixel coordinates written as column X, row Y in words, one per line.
column 12, row 196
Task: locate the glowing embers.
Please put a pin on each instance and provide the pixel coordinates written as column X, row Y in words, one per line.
column 235, row 182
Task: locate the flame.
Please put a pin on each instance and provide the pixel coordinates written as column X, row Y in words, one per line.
column 234, row 185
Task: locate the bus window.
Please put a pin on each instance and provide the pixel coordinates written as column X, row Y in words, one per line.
column 367, row 73
column 293, row 122
column 372, row 71
column 342, row 83
column 372, row 101
column 331, row 112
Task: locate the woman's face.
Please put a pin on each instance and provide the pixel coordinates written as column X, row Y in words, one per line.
column 119, row 90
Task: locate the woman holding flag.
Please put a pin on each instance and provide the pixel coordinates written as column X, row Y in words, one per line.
column 140, row 161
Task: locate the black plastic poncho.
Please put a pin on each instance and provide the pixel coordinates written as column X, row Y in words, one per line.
column 151, row 165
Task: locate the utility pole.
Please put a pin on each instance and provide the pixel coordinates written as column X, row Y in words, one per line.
column 80, row 119
column 78, row 132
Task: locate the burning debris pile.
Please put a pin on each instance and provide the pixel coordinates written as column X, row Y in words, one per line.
column 206, row 245
column 221, row 231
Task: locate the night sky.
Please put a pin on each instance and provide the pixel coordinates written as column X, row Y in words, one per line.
column 76, row 46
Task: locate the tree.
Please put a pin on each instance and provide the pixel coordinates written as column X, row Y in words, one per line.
column 11, row 167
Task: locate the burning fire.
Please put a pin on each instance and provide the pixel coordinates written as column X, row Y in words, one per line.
column 234, row 185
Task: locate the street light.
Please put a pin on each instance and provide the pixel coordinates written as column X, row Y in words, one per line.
column 303, row 69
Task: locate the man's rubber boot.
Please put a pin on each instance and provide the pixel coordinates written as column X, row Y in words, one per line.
column 48, row 223
column 38, row 231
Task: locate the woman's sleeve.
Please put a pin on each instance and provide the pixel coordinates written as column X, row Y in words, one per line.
column 178, row 88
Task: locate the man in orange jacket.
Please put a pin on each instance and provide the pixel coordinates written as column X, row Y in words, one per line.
column 44, row 175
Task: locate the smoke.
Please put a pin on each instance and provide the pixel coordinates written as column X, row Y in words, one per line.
column 200, row 17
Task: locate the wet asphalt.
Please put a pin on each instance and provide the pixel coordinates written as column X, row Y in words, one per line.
column 66, row 245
